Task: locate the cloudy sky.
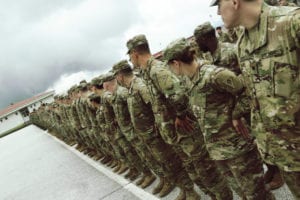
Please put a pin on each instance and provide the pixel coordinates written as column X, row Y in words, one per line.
column 55, row 44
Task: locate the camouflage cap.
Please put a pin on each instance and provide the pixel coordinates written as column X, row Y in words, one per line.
column 123, row 64
column 136, row 41
column 214, row 2
column 175, row 48
column 93, row 97
column 97, row 81
column 82, row 82
column 203, row 29
column 108, row 76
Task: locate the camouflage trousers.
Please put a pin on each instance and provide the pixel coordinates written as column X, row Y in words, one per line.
column 130, row 155
column 246, row 176
column 147, row 157
column 190, row 147
column 171, row 163
column 280, row 147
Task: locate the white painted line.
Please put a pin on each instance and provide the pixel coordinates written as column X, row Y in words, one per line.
column 131, row 187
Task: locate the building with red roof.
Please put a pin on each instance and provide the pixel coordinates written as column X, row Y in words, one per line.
column 17, row 114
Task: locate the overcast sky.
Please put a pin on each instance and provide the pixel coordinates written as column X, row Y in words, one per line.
column 55, row 44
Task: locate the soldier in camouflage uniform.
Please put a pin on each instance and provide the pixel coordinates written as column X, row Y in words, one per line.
column 222, row 36
column 74, row 118
column 130, row 141
column 222, row 54
column 268, row 53
column 85, row 123
column 212, row 97
column 110, row 157
column 160, row 155
column 286, row 3
column 111, row 113
column 175, row 120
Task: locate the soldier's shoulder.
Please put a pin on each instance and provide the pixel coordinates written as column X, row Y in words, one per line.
column 281, row 11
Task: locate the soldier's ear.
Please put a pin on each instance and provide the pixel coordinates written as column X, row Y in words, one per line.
column 236, row 3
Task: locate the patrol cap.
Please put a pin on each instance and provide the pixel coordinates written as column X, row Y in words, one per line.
column 123, row 64
column 214, row 2
column 175, row 48
column 108, row 76
column 97, row 81
column 203, row 29
column 136, row 41
column 72, row 89
column 94, row 97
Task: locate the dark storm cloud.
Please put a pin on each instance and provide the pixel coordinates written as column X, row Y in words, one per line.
column 41, row 40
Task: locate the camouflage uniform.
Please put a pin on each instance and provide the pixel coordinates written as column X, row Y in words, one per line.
column 169, row 101
column 130, row 142
column 269, row 59
column 113, row 132
column 160, row 155
column 212, row 94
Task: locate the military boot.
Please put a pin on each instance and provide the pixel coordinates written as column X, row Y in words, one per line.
column 181, row 195
column 139, row 182
column 160, row 185
column 134, row 175
column 118, row 167
column 114, row 164
column 191, row 194
column 276, row 182
column 105, row 160
column 130, row 173
column 72, row 143
column 123, row 168
column 167, row 188
column 97, row 157
column 148, row 181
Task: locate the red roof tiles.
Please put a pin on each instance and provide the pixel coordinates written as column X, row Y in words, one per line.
column 21, row 104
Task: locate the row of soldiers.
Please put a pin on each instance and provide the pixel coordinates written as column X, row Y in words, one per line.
column 188, row 119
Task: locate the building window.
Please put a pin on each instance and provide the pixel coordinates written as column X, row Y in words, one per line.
column 24, row 112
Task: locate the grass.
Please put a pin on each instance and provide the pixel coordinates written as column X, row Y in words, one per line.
column 14, row 129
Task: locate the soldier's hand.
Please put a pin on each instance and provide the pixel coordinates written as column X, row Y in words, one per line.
column 241, row 128
column 185, row 124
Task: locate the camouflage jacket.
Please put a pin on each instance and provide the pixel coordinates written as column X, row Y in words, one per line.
column 119, row 104
column 102, row 123
column 269, row 56
column 213, row 98
column 139, row 105
column 270, row 66
column 168, row 98
column 111, row 126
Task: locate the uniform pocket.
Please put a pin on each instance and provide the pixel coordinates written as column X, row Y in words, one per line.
column 284, row 78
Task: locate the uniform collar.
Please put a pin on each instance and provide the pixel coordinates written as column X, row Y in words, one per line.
column 260, row 31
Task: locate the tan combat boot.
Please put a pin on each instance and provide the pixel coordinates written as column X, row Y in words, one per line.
column 181, row 195
column 123, row 168
column 276, row 182
column 139, row 182
column 160, row 185
column 134, row 175
column 114, row 164
column 191, row 194
column 130, row 172
column 167, row 188
column 148, row 181
column 118, row 167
